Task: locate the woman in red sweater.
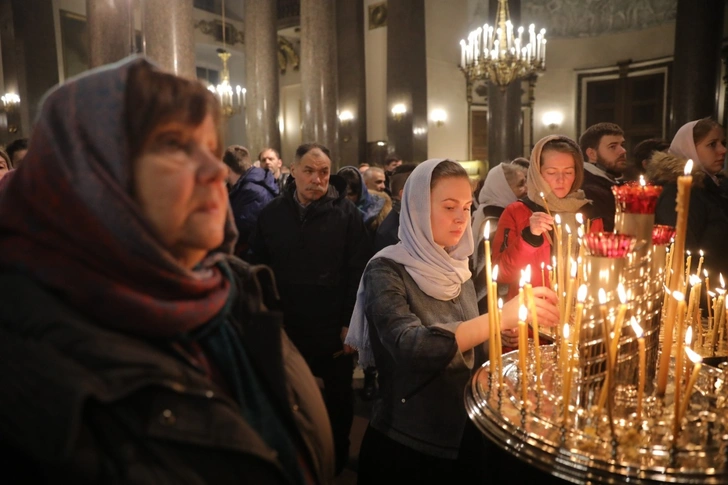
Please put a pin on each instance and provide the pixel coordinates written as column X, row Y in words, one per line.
column 555, row 174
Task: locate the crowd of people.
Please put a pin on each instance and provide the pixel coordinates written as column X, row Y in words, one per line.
column 174, row 311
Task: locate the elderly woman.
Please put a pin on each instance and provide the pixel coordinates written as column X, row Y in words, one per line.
column 135, row 348
column 417, row 318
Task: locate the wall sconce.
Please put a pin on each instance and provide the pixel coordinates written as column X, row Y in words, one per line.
column 419, row 131
column 552, row 119
column 381, row 143
column 398, row 111
column 438, row 116
column 10, row 104
column 345, row 117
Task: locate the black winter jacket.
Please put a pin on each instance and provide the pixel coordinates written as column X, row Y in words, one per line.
column 85, row 404
column 599, row 190
column 707, row 215
column 318, row 256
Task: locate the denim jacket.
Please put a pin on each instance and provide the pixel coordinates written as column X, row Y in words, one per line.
column 422, row 374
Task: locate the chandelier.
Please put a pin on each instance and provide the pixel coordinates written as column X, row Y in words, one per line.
column 502, row 54
column 231, row 102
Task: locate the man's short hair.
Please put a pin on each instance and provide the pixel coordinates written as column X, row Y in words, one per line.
column 238, row 159
column 400, row 176
column 260, row 155
column 369, row 174
column 307, row 147
column 16, row 146
column 593, row 135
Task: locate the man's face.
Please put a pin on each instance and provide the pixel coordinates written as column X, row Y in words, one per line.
column 18, row 157
column 270, row 161
column 311, row 175
column 611, row 154
column 375, row 180
column 392, row 165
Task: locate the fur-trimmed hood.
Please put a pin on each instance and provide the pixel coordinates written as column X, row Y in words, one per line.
column 664, row 168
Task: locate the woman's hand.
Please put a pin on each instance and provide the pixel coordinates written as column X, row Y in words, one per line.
column 546, row 309
column 540, row 222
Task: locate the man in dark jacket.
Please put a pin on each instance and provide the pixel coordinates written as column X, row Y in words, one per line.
column 270, row 160
column 388, row 231
column 314, row 239
column 605, row 160
column 251, row 189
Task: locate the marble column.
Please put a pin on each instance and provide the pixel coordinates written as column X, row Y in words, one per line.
column 261, row 76
column 352, row 78
column 407, row 79
column 169, row 35
column 696, row 66
column 505, row 124
column 32, row 46
column 319, row 75
column 110, row 30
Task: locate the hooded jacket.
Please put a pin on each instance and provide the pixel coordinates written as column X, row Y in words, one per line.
column 707, row 214
column 374, row 206
column 253, row 191
column 318, row 254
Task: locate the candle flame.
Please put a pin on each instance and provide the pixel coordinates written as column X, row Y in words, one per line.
column 522, row 313
column 486, row 231
column 622, row 294
column 689, row 336
column 636, row 327
column 694, row 279
column 574, row 268
column 602, row 296
column 678, row 295
column 722, row 281
column 494, row 274
column 542, row 195
column 543, row 265
column 527, row 274
column 579, row 218
column 688, row 252
column 642, row 180
column 580, row 233
column 688, row 167
column 553, row 262
column 557, row 219
column 693, row 356
column 522, row 281
column 701, row 253
column 500, row 303
column 568, row 229
column 581, row 294
column 566, row 330
column 705, row 272
column 712, row 294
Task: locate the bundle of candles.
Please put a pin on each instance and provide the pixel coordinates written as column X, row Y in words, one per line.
column 605, row 401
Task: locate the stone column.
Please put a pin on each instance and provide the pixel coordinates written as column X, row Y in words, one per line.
column 319, row 74
column 169, row 35
column 352, row 80
column 261, row 72
column 110, row 32
column 696, row 65
column 407, row 78
column 505, row 126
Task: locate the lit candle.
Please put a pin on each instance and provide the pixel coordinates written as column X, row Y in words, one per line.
column 707, row 295
column 543, row 279
column 694, row 303
column 580, row 299
column 490, row 298
column 462, row 54
column 239, row 92
column 567, row 262
column 607, row 348
column 545, row 204
column 534, row 323
column 680, row 414
column 499, row 345
column 523, row 351
column 566, row 374
column 684, row 184
column 642, row 369
column 700, row 262
column 570, row 291
column 493, row 290
column 688, row 264
column 679, row 340
column 620, row 320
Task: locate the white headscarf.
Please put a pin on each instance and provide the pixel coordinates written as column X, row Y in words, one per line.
column 683, row 145
column 497, row 192
column 437, row 272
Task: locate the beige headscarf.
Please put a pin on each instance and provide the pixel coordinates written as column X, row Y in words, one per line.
column 575, row 200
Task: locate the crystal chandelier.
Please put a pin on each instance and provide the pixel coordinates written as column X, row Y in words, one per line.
column 502, row 54
column 231, row 102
